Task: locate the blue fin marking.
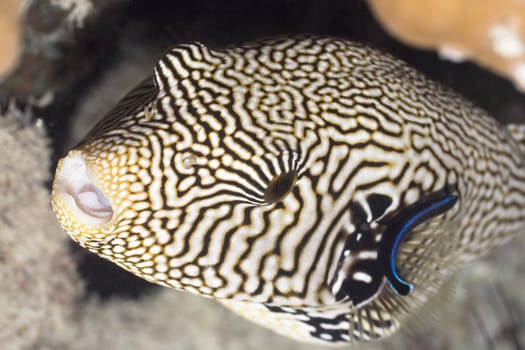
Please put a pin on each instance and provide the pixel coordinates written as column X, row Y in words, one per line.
column 432, row 209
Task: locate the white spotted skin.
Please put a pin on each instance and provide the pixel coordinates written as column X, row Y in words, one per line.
column 187, row 174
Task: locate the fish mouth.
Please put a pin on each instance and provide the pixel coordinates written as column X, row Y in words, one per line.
column 75, row 187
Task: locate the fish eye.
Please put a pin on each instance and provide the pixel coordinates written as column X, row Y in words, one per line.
column 280, row 186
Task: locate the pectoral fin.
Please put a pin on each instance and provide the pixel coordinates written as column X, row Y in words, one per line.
column 397, row 229
column 369, row 256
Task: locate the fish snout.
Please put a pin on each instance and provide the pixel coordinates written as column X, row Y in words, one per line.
column 76, row 194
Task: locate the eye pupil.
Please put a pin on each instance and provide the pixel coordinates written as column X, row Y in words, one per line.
column 280, row 186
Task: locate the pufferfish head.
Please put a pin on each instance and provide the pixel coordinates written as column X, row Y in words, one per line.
column 238, row 174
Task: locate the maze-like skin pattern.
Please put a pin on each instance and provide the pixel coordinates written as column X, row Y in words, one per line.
column 187, row 170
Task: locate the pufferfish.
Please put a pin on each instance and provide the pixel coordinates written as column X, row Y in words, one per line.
column 313, row 185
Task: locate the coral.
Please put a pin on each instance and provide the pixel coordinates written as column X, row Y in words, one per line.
column 492, row 32
column 10, row 29
column 51, row 63
column 37, row 293
column 77, row 10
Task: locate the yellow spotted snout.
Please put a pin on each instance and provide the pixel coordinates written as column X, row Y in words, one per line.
column 78, row 202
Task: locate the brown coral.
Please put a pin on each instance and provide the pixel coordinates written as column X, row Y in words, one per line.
column 9, row 27
column 491, row 32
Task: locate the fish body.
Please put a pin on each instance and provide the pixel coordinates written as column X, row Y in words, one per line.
column 314, row 185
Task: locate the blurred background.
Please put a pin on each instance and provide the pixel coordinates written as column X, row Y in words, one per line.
column 65, row 63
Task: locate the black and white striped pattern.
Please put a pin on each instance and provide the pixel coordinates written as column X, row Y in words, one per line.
column 187, row 174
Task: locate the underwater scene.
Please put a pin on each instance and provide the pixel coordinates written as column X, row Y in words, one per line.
column 286, row 174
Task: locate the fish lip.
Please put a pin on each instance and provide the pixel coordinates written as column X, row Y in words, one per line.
column 76, row 188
